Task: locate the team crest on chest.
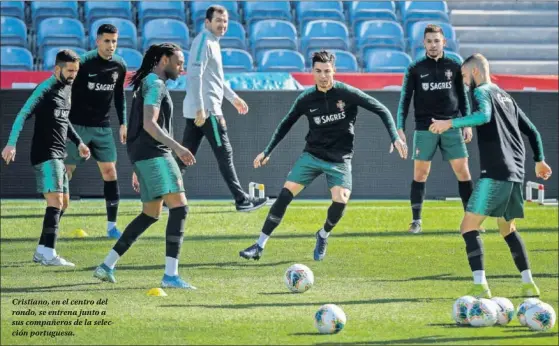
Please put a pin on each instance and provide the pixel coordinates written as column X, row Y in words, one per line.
column 340, row 105
column 91, row 85
column 448, row 74
column 114, row 76
column 425, row 86
column 317, row 120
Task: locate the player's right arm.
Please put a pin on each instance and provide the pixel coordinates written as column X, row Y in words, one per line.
column 408, row 87
column 529, row 130
column 154, row 92
column 482, row 115
column 199, row 57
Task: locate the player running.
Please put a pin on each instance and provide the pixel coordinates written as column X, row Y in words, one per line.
column 498, row 193
column 50, row 102
column 101, row 78
column 331, row 110
column 150, row 144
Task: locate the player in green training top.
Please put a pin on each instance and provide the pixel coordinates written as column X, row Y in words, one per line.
column 331, row 110
column 150, row 145
column 498, row 193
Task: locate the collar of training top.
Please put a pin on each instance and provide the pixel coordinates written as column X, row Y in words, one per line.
column 441, row 58
column 211, row 34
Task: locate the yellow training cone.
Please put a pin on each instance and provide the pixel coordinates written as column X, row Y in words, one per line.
column 157, row 292
column 78, row 233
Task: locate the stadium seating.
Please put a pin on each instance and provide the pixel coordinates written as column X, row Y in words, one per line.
column 503, row 18
column 510, row 51
column 235, row 37
column 361, row 11
column 375, row 34
column 345, row 61
column 421, row 52
column 165, row 30
column 479, row 34
column 307, row 11
column 49, row 58
column 148, row 10
column 186, row 56
column 131, row 57
column 41, row 10
column 13, row 9
column 258, row 10
column 272, row 34
column 94, row 10
column 13, row 32
column 198, row 11
column 281, row 60
column 236, row 60
column 127, row 34
column 503, row 5
column 324, row 34
column 55, row 32
column 386, row 60
column 15, row 59
column 524, row 67
column 417, row 33
column 416, row 11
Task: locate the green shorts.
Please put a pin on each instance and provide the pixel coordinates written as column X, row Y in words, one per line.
column 497, row 198
column 308, row 167
column 51, row 176
column 158, row 177
column 451, row 142
column 100, row 142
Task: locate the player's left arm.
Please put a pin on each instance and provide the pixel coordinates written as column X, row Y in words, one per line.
column 120, row 96
column 530, row 131
column 76, row 139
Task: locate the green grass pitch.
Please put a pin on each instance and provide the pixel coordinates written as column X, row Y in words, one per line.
column 395, row 288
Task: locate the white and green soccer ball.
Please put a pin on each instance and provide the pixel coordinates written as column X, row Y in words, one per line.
column 540, row 317
column 505, row 313
column 329, row 319
column 483, row 313
column 298, row 278
column 523, row 307
column 460, row 309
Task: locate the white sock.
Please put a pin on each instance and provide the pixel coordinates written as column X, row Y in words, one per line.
column 418, row 221
column 527, row 276
column 263, row 239
column 40, row 249
column 110, row 225
column 171, row 266
column 323, row 233
column 49, row 253
column 479, row 277
column 111, row 259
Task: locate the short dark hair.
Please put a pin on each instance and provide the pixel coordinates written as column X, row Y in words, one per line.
column 324, row 57
column 433, row 28
column 66, row 55
column 107, row 29
column 214, row 8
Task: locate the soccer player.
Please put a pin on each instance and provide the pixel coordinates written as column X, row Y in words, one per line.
column 100, row 79
column 50, row 102
column 202, row 104
column 498, row 193
column 150, row 144
column 435, row 82
column 331, row 110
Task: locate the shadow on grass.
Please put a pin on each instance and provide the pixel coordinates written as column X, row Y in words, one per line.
column 100, row 286
column 440, row 339
column 450, row 277
column 215, row 265
column 320, row 303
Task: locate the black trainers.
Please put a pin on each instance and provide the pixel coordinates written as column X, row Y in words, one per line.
column 252, row 252
column 320, row 247
column 251, row 204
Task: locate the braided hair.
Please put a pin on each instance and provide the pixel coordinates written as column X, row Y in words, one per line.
column 151, row 59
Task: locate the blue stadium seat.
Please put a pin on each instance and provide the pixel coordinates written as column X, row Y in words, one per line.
column 417, row 32
column 375, row 34
column 148, row 10
column 235, row 37
column 258, row 10
column 127, row 33
column 49, row 57
column 132, row 57
column 13, row 9
column 15, row 59
column 198, row 11
column 345, row 61
column 416, row 11
column 236, row 60
column 361, row 11
column 314, row 10
column 13, row 32
column 165, row 30
column 186, row 54
column 406, row 7
column 94, row 10
column 272, row 34
column 324, row 34
column 421, row 52
column 281, row 60
column 56, row 32
column 387, row 61
column 41, row 10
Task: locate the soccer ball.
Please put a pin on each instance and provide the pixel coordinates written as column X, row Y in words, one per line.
column 522, row 308
column 299, row 278
column 540, row 317
column 329, row 319
column 460, row 309
column 483, row 313
column 505, row 313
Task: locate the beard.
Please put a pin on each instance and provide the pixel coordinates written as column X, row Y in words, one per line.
column 66, row 81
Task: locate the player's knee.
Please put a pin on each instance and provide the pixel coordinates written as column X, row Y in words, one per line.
column 505, row 227
column 109, row 172
column 55, row 200
column 341, row 195
column 420, row 175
